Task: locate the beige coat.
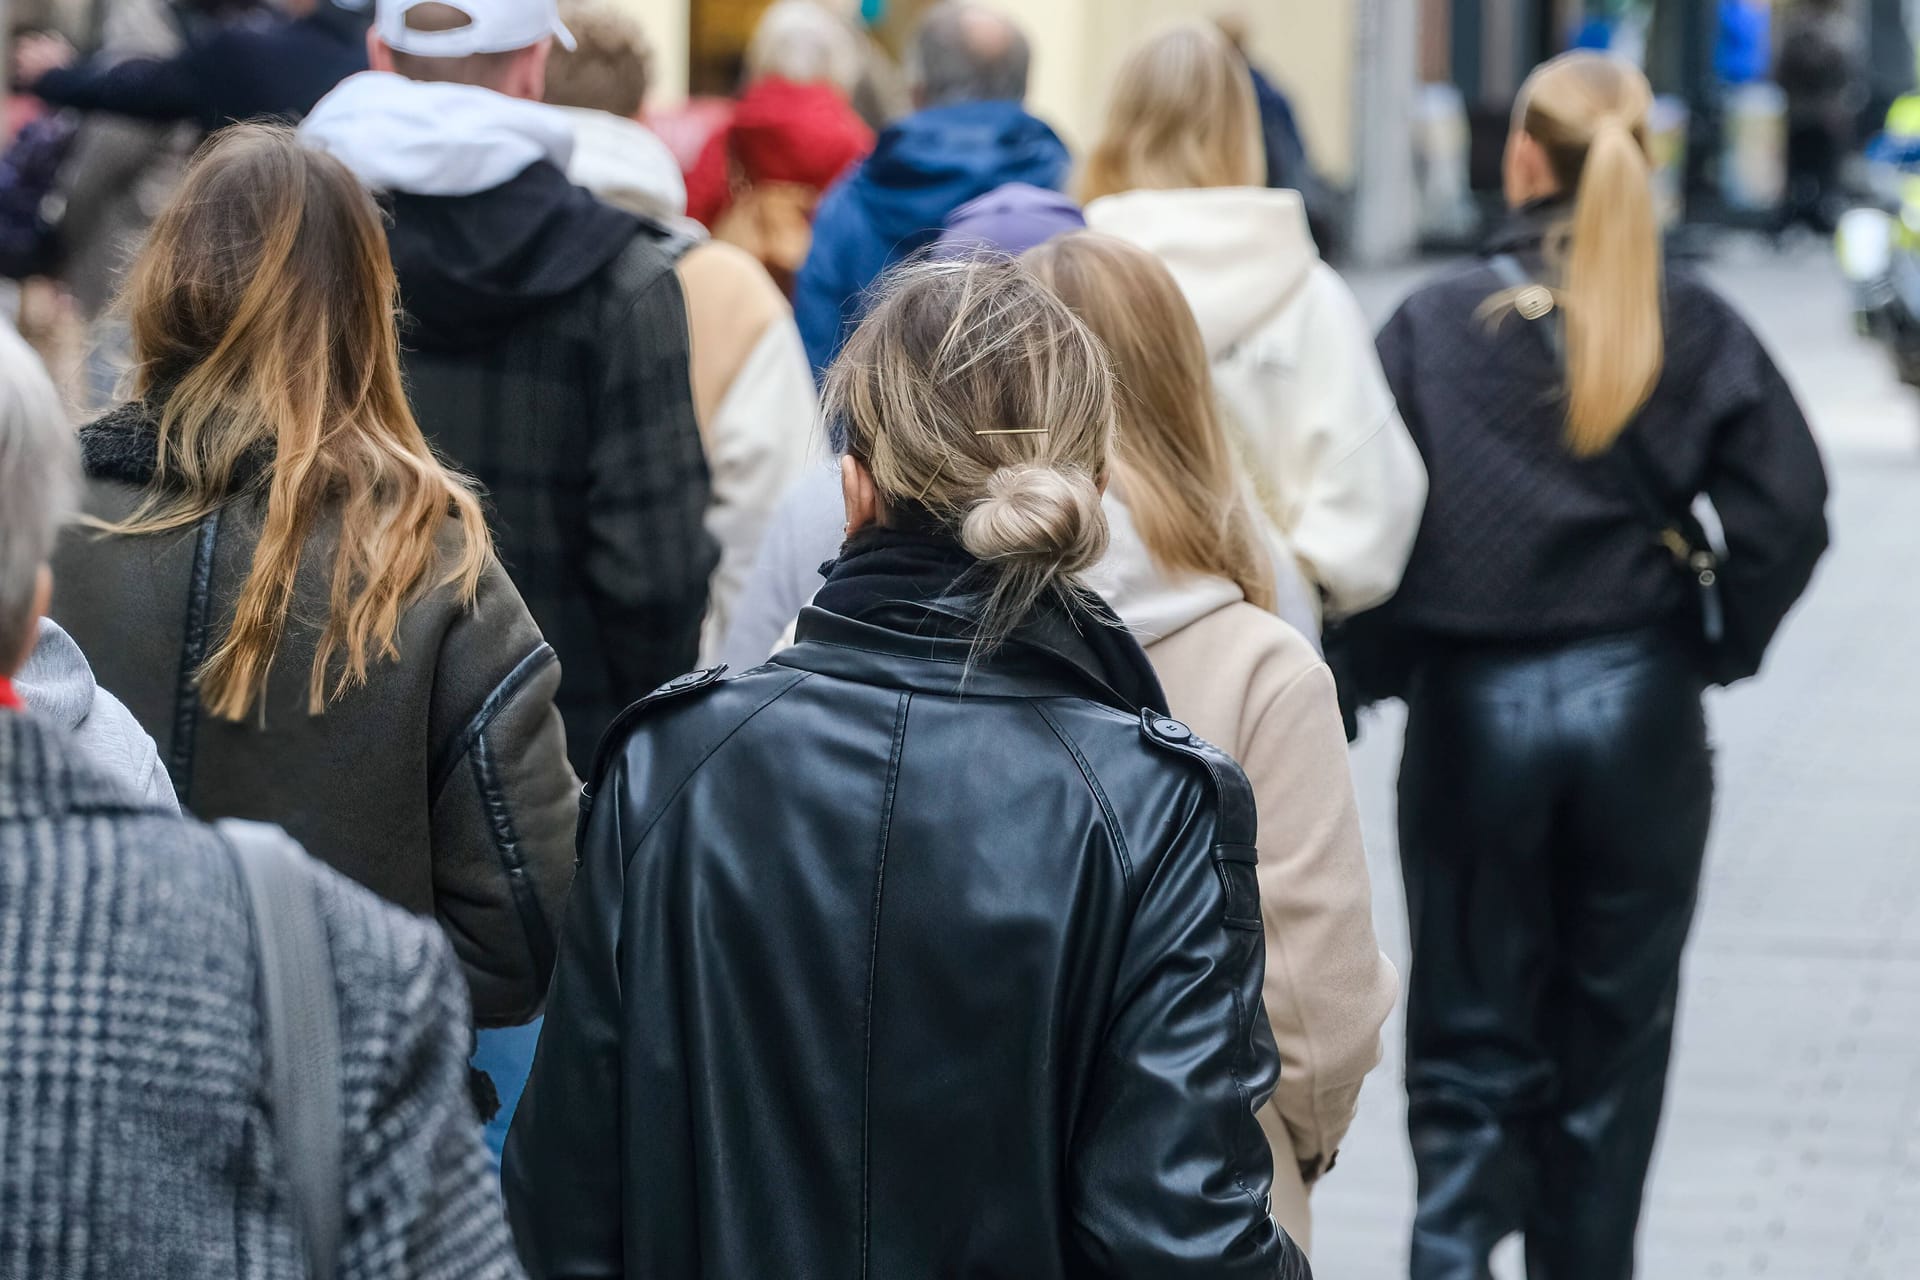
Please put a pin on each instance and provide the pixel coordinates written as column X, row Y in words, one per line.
column 1252, row 685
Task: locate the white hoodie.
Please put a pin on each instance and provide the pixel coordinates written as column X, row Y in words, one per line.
column 429, row 139
column 625, row 163
column 1156, row 604
column 1294, row 362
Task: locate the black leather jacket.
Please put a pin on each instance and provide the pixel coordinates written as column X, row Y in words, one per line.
column 883, row 967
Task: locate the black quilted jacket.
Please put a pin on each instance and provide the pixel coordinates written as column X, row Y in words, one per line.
column 1522, row 541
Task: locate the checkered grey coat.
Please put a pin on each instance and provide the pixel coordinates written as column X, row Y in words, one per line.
column 134, row 1138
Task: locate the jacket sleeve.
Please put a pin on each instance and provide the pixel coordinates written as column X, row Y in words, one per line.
column 1769, row 488
column 562, row 1166
column 1171, row 1174
column 503, row 807
column 822, row 293
column 161, row 89
column 1355, row 525
column 649, row 555
column 422, row 1197
column 1328, row 988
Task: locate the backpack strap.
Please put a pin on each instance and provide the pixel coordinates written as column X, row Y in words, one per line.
column 300, row 1019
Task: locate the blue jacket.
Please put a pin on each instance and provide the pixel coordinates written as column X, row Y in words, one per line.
column 898, row 199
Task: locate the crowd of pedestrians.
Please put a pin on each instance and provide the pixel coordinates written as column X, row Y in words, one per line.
column 814, row 688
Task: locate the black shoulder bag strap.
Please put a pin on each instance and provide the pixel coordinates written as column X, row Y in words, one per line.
column 300, row 1019
column 1681, row 537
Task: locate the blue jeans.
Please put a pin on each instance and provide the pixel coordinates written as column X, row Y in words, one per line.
column 506, row 1054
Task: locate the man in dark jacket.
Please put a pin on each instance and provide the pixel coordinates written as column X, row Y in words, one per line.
column 969, row 136
column 252, row 68
column 546, row 345
column 138, row 1136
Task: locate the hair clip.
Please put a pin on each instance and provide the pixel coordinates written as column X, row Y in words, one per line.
column 1017, row 431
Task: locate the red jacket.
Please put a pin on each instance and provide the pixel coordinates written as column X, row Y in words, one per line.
column 780, row 132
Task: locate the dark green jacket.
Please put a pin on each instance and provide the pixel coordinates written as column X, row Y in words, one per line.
column 442, row 785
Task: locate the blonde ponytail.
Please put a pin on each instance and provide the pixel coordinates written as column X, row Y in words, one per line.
column 1615, row 342
column 1588, row 113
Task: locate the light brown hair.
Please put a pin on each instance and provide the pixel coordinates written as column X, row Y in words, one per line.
column 979, row 401
column 1173, row 461
column 263, row 315
column 1182, row 115
column 610, row 66
column 1588, row 112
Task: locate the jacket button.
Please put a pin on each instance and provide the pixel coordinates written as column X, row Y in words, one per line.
column 1172, row 730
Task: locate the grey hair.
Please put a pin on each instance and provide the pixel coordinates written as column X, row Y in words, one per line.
column 802, row 41
column 967, row 52
column 39, row 482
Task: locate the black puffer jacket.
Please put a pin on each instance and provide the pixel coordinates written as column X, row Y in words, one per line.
column 442, row 785
column 884, row 966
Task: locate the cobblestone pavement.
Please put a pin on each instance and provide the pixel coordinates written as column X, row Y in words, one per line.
column 1791, row 1147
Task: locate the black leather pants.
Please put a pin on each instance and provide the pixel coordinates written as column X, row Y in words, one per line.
column 1554, row 806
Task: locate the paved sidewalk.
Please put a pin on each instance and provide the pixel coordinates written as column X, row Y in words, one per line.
column 1792, row 1142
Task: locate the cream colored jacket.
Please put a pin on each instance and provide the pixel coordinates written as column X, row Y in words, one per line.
column 1252, row 685
column 1294, row 364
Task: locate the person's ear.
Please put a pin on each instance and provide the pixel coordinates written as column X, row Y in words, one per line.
column 861, row 494
column 529, row 74
column 42, row 597
column 379, row 56
column 1525, row 173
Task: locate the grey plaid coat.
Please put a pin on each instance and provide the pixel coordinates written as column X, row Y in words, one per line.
column 134, row 1139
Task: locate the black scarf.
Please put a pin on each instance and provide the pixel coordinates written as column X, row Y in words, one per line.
column 124, row 445
column 923, row 582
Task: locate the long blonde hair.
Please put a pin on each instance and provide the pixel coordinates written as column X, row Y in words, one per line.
column 1183, row 114
column 1172, row 458
column 1588, row 112
column 263, row 315
column 978, row 401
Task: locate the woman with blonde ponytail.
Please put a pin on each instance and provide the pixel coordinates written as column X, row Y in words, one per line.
column 932, row 946
column 297, row 599
column 1561, row 615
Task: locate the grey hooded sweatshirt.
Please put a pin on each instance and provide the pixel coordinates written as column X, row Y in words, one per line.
column 57, row 684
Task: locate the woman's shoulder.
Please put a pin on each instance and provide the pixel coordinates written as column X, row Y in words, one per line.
column 1450, row 294
column 1225, row 669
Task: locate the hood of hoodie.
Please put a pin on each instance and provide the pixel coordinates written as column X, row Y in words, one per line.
column 1153, row 603
column 1238, row 253
column 486, row 228
column 934, row 161
column 625, row 163
column 400, row 135
column 56, row 680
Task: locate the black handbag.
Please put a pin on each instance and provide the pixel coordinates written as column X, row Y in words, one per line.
column 1680, row 534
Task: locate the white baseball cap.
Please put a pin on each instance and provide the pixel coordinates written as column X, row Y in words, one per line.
column 495, row 26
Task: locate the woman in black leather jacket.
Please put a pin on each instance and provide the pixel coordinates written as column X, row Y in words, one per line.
column 931, row 947
column 1571, row 399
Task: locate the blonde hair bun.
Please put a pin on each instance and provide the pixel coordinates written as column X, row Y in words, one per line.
column 1039, row 514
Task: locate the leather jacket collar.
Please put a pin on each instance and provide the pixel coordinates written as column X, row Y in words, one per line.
column 1045, row 658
